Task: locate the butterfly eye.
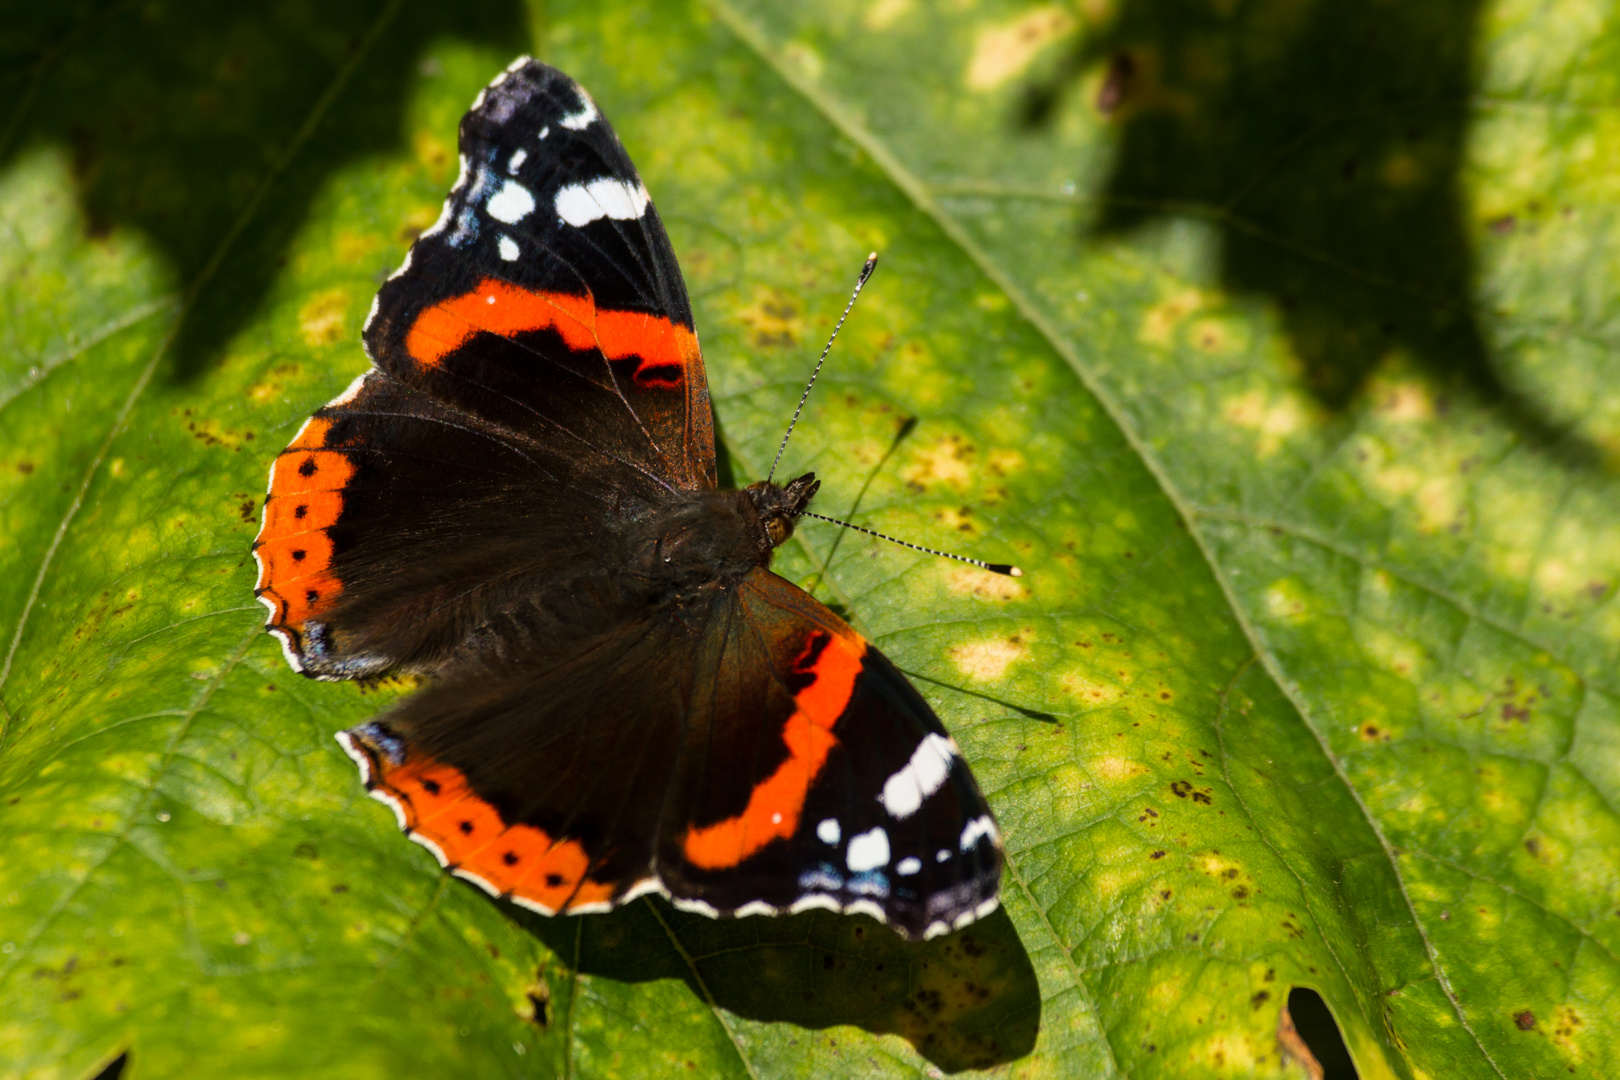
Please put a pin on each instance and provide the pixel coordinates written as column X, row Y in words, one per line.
column 778, row 529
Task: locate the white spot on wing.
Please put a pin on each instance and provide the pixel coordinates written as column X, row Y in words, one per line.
column 868, row 851
column 519, row 156
column 594, row 907
column 942, row 854
column 361, row 758
column 511, row 204
column 438, row 852
column 866, row 907
column 581, row 204
column 980, row 826
column 908, row 866
column 287, row 647
column 508, row 247
column 754, row 907
column 545, row 131
column 399, row 813
column 532, row 905
column 814, row 902
column 698, row 906
column 923, row 775
column 482, row 882
column 579, row 121
column 828, row 830
column 642, row 888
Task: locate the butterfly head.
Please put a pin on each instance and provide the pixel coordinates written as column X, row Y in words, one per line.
column 780, row 506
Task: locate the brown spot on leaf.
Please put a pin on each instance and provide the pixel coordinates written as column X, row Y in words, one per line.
column 774, row 321
column 1116, row 85
column 1526, row 1020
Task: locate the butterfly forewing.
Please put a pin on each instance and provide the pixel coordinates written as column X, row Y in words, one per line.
column 547, row 297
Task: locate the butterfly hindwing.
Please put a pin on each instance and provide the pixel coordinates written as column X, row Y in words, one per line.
column 775, row 762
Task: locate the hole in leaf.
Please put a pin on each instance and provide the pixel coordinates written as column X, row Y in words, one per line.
column 538, row 1008
column 114, row 1068
column 1309, row 1033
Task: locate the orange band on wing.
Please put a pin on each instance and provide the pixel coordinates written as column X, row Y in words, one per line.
column 516, row 860
column 777, row 802
column 665, row 348
column 294, row 552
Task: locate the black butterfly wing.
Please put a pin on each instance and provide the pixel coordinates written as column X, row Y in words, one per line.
column 547, row 299
column 757, row 756
column 520, row 404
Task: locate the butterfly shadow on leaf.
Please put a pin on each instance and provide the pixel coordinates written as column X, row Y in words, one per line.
column 210, row 130
column 967, row 1000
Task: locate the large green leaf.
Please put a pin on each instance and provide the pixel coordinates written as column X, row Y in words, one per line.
column 1269, row 339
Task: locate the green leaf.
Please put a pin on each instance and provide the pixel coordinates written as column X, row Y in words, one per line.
column 1274, row 342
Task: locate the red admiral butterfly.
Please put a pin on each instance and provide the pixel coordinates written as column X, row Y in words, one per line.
column 519, row 500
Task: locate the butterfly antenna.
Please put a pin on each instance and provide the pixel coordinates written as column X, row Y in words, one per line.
column 866, row 272
column 995, row 568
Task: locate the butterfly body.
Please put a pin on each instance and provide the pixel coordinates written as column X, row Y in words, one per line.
column 519, row 501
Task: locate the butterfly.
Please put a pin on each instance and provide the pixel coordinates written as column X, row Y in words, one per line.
column 518, row 500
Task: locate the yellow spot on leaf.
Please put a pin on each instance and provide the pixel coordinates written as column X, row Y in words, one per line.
column 417, row 222
column 806, row 60
column 1397, row 480
column 971, row 581
column 1404, row 401
column 353, row 246
column 883, row 13
column 988, row 659
column 1440, row 503
column 1212, row 336
column 774, row 320
column 1167, row 992
column 1400, row 655
column 321, row 319
column 1090, row 690
column 1285, row 600
column 432, row 152
column 1160, row 322
column 1114, row 769
column 946, row 461
column 1003, row 52
column 1002, row 461
column 1275, row 419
